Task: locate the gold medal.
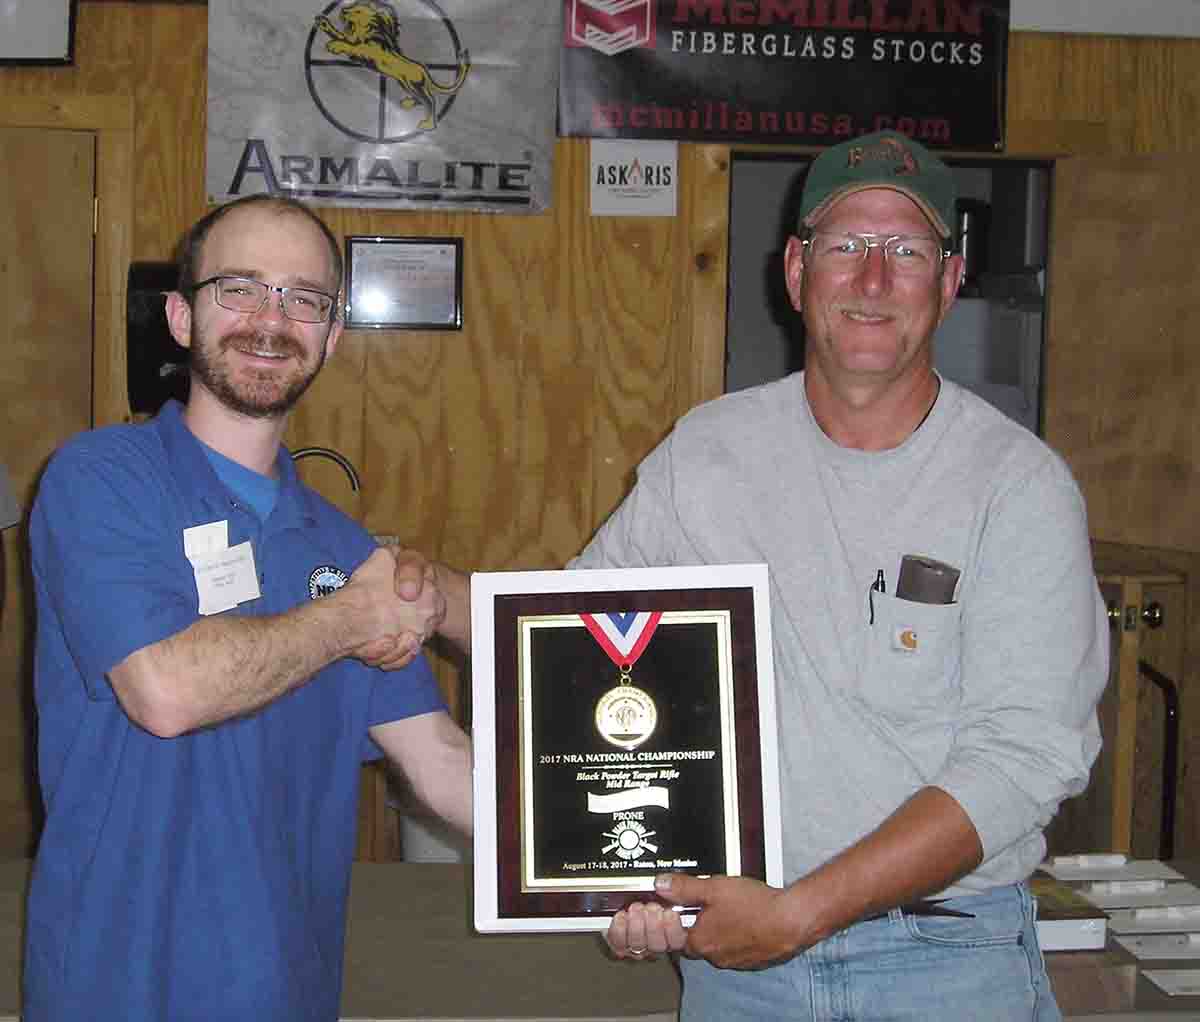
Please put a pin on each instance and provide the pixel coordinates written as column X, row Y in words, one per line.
column 626, row 715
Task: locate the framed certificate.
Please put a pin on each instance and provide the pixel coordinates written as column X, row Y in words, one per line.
column 404, row 283
column 624, row 726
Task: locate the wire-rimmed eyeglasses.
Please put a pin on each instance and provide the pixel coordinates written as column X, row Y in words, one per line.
column 910, row 255
column 245, row 294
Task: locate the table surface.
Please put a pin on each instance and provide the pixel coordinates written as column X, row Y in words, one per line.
column 460, row 974
column 412, row 954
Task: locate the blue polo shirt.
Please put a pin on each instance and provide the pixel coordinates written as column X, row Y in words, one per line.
column 201, row 877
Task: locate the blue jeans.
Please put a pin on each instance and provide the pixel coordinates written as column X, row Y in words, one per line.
column 901, row 968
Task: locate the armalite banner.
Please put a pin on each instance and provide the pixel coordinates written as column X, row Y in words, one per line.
column 400, row 104
column 809, row 72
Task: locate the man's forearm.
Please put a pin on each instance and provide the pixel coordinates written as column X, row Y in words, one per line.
column 434, row 755
column 225, row 667
column 456, row 588
column 923, row 847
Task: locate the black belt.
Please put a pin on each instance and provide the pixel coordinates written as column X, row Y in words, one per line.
column 928, row 907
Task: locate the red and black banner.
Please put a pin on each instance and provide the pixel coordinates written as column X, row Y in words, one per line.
column 793, row 72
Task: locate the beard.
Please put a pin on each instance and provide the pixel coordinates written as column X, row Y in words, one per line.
column 257, row 394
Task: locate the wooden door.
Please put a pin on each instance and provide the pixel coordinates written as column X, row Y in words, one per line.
column 1122, row 373
column 46, row 235
column 1122, row 383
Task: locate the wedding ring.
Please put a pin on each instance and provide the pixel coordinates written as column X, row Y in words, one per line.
column 637, row 952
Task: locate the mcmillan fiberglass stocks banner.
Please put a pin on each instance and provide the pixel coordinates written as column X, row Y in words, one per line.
column 384, row 103
column 808, row 72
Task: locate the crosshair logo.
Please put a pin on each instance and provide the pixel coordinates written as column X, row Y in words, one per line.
column 379, row 79
column 629, row 840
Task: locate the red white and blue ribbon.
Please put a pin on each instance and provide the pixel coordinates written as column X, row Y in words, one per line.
column 623, row 636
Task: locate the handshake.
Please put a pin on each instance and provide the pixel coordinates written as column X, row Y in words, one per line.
column 392, row 604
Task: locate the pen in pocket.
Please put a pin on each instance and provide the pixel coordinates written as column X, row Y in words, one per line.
column 878, row 586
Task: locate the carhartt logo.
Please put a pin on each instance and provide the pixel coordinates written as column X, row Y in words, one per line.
column 611, row 26
column 355, row 49
column 888, row 151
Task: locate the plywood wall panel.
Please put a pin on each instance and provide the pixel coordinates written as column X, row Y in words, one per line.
column 1168, row 97
column 637, row 279
column 167, row 78
column 333, row 410
column 1124, row 371
column 496, row 394
column 557, row 397
column 405, row 455
column 700, row 367
column 45, row 386
column 1144, row 91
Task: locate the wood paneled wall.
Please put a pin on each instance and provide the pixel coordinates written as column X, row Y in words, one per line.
column 1102, row 95
column 505, row 444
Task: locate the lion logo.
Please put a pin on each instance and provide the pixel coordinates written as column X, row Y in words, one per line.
column 370, row 36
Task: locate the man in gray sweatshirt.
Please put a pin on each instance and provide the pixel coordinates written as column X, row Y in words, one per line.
column 926, row 738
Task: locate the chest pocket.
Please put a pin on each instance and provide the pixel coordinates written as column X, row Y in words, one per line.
column 911, row 666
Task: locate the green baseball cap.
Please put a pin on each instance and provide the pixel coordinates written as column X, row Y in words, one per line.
column 886, row 159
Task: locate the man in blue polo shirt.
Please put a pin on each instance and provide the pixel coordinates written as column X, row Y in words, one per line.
column 211, row 638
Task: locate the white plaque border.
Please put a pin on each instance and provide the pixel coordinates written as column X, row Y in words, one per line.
column 485, row 587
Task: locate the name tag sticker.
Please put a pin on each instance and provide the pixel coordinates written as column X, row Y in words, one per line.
column 205, row 539
column 226, row 578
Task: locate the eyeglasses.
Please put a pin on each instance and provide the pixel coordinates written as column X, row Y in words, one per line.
column 245, row 294
column 906, row 255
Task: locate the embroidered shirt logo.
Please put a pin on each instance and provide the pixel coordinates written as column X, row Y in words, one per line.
column 325, row 580
column 888, row 151
column 905, row 640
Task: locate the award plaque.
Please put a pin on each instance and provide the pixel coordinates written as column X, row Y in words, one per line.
column 404, row 283
column 624, row 726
